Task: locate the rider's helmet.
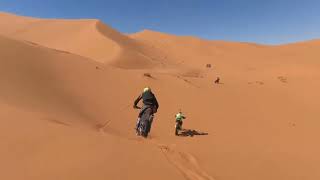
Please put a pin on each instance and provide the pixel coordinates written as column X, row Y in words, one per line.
column 146, row 89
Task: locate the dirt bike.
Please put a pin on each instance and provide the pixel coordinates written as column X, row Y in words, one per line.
column 144, row 123
column 178, row 127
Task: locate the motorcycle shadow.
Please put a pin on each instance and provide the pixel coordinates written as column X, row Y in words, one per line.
column 191, row 133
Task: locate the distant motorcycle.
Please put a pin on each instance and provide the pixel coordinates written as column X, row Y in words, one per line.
column 178, row 127
column 179, row 121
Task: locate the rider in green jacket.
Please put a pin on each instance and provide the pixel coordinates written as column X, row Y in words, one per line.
column 179, row 121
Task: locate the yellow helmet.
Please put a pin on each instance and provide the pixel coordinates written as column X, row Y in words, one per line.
column 146, row 89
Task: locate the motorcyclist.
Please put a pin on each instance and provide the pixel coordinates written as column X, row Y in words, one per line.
column 179, row 120
column 150, row 106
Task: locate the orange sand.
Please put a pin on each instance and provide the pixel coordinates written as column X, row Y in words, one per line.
column 67, row 89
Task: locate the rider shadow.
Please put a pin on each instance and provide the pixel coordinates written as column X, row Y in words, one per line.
column 191, row 133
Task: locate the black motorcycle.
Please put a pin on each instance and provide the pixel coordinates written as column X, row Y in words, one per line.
column 144, row 123
column 178, row 127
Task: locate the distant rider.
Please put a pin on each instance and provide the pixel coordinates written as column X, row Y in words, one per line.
column 179, row 119
column 150, row 106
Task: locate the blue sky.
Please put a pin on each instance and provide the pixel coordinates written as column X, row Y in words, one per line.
column 260, row 21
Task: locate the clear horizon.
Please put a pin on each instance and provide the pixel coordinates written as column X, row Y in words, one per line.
column 263, row 22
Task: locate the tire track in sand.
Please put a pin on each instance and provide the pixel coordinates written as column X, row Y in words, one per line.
column 186, row 163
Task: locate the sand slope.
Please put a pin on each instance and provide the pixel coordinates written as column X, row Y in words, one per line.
column 89, row 38
column 49, row 126
column 67, row 88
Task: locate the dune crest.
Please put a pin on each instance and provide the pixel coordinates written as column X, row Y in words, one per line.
column 89, row 38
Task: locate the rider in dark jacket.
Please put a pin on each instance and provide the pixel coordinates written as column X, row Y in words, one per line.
column 149, row 102
column 148, row 98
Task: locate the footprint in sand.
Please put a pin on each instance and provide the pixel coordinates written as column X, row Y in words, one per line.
column 260, row 82
column 283, row 79
column 187, row 81
column 257, row 82
column 58, row 122
column 148, row 75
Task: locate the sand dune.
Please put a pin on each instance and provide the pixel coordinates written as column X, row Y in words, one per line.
column 89, row 38
column 67, row 88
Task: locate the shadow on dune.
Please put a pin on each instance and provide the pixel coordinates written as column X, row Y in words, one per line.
column 191, row 133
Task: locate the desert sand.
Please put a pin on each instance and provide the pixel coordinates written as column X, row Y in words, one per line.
column 67, row 88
